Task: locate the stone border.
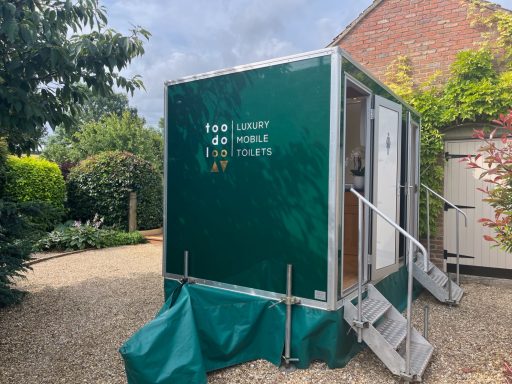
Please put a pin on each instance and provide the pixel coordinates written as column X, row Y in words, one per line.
column 491, row 281
column 152, row 232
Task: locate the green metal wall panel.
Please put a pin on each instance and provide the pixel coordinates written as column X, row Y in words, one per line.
column 247, row 176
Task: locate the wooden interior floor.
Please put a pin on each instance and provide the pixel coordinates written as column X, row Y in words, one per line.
column 349, row 271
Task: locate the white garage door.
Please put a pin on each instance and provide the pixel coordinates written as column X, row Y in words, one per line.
column 460, row 187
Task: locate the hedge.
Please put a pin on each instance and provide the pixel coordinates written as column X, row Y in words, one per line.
column 34, row 179
column 101, row 185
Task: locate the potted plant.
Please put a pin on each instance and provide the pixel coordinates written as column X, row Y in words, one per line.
column 357, row 170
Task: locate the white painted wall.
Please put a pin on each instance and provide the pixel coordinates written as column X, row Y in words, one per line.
column 460, row 187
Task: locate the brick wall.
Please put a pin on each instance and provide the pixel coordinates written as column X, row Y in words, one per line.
column 429, row 32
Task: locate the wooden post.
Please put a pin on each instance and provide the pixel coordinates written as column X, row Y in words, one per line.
column 132, row 212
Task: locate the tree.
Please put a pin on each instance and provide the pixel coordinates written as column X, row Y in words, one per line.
column 60, row 146
column 111, row 133
column 97, row 106
column 49, row 49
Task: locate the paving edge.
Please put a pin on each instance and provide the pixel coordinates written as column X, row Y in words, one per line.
column 492, row 281
column 40, row 260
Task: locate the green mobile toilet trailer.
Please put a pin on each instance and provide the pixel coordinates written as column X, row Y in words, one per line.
column 257, row 178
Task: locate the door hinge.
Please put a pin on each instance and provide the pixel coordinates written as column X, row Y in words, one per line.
column 447, row 206
column 449, row 156
column 447, row 254
column 372, row 114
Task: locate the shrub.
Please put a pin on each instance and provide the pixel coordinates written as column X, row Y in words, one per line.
column 118, row 238
column 65, row 168
column 4, row 153
column 88, row 235
column 101, row 185
column 40, row 182
column 123, row 132
column 14, row 246
column 34, row 179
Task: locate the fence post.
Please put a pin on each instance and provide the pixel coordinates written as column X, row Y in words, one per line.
column 132, row 212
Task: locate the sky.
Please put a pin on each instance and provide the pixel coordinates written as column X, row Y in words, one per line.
column 196, row 36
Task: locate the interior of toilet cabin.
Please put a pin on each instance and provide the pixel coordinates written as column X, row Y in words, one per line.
column 357, row 106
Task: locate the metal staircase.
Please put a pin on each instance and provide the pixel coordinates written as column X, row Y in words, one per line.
column 385, row 330
column 437, row 282
column 427, row 274
column 403, row 350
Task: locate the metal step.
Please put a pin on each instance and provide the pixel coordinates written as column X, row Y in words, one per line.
column 436, row 282
column 420, row 356
column 393, row 331
column 373, row 310
column 384, row 332
column 457, row 292
column 419, row 263
column 439, row 278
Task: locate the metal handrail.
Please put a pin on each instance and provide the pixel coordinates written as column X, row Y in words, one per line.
column 412, row 241
column 458, row 211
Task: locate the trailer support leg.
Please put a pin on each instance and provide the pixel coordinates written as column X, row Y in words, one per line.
column 289, row 300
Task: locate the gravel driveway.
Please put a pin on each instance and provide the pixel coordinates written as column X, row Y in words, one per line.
column 81, row 308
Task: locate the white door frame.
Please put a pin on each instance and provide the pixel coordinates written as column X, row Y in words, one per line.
column 386, row 187
column 413, row 179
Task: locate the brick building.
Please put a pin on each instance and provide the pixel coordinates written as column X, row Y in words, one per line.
column 429, row 33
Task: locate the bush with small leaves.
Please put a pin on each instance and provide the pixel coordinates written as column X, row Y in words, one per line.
column 40, row 182
column 101, row 185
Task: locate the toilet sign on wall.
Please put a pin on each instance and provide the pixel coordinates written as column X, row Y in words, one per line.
column 236, row 139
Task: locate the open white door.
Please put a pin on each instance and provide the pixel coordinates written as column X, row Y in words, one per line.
column 386, row 190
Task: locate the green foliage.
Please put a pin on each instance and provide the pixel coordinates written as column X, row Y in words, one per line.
column 88, row 235
column 118, row 238
column 96, row 107
column 101, row 185
column 475, row 91
column 60, row 148
column 15, row 248
column 49, row 48
column 399, row 75
column 15, row 238
column 498, row 27
column 34, row 179
column 4, row 153
column 112, row 133
column 431, row 174
column 40, row 182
